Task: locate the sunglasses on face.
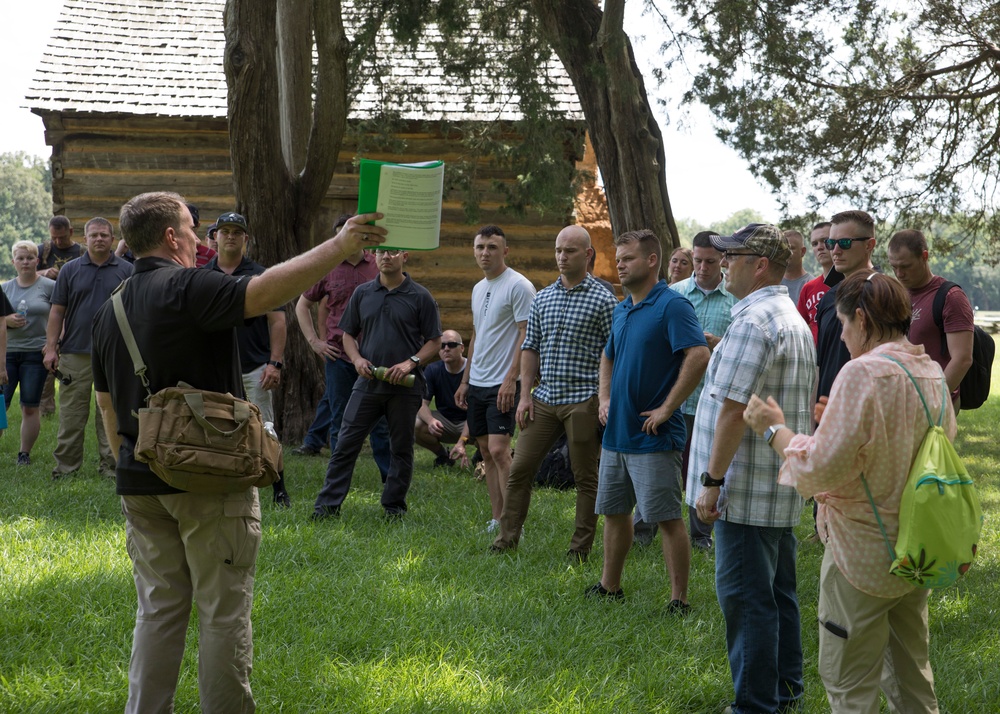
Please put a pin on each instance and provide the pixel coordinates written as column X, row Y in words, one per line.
column 451, row 345
column 844, row 243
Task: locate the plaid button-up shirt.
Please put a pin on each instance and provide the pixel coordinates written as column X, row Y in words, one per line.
column 568, row 329
column 768, row 351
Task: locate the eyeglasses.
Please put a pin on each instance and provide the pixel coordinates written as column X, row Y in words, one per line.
column 730, row 254
column 450, row 345
column 390, row 253
column 844, row 243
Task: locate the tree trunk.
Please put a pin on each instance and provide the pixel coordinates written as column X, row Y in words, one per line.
column 628, row 145
column 280, row 180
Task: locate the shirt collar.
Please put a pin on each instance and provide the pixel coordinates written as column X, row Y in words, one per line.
column 757, row 296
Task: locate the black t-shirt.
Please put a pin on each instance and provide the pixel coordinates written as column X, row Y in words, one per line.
column 831, row 352
column 441, row 387
column 254, row 337
column 390, row 326
column 5, row 307
column 57, row 257
column 183, row 320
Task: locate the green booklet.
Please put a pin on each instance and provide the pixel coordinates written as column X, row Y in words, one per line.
column 409, row 196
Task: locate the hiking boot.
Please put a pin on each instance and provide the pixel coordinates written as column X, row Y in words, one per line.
column 600, row 591
column 306, row 450
column 577, row 557
column 282, row 500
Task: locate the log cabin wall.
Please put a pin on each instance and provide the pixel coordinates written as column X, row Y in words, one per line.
column 101, row 160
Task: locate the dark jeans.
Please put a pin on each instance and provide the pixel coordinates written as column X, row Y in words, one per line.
column 340, row 379
column 364, row 410
column 26, row 369
column 755, row 584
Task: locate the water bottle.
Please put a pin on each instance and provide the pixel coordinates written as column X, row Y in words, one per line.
column 22, row 310
column 379, row 374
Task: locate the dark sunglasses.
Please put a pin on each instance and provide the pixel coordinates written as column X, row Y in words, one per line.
column 844, row 243
column 451, row 345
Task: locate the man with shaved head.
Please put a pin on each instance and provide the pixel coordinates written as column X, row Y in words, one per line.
column 568, row 326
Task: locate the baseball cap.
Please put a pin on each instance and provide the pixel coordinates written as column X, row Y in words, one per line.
column 232, row 219
column 760, row 238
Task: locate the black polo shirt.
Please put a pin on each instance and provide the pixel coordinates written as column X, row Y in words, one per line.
column 254, row 337
column 184, row 322
column 82, row 287
column 831, row 352
column 391, row 326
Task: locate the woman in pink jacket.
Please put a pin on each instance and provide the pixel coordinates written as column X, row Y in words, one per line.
column 873, row 625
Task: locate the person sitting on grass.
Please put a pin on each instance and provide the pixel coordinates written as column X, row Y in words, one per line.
column 446, row 424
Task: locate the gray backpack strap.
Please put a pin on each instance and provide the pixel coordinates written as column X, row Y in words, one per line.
column 128, row 336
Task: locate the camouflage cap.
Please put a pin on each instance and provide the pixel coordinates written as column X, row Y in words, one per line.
column 761, row 239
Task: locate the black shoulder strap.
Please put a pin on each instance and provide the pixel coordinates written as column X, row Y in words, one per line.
column 938, row 311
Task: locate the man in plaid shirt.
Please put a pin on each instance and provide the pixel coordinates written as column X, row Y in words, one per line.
column 768, row 351
column 568, row 326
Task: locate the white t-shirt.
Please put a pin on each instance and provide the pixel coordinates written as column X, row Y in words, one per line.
column 497, row 306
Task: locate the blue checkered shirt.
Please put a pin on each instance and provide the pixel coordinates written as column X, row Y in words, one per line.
column 714, row 312
column 768, row 350
column 569, row 329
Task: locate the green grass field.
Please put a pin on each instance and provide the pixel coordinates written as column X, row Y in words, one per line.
column 359, row 615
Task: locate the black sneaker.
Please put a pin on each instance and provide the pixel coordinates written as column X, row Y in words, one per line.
column 677, row 607
column 324, row 512
column 443, row 460
column 599, row 591
column 306, row 450
column 23, row 458
column 282, row 500
column 577, row 557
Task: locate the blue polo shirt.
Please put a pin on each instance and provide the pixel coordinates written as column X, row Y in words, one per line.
column 82, row 287
column 647, row 346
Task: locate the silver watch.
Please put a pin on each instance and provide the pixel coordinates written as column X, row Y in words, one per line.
column 771, row 431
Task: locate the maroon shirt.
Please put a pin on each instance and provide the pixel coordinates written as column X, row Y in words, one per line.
column 957, row 314
column 203, row 255
column 337, row 286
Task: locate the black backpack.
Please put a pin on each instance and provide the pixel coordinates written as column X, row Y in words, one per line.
column 975, row 387
column 555, row 470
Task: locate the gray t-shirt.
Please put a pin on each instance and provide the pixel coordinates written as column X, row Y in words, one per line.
column 795, row 286
column 31, row 337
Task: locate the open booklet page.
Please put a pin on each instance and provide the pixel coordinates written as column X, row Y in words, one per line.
column 409, row 196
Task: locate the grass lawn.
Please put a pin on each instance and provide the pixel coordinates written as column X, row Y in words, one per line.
column 359, row 615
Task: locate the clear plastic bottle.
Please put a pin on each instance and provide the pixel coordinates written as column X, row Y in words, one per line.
column 22, row 310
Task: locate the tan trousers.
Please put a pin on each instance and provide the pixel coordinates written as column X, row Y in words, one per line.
column 580, row 423
column 887, row 647
column 192, row 547
column 74, row 412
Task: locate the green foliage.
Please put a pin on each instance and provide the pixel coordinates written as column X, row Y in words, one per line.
column 359, row 615
column 890, row 108
column 25, row 203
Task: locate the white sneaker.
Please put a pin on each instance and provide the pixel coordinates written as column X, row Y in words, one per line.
column 492, row 526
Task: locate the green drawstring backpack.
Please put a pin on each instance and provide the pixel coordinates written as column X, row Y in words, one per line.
column 939, row 515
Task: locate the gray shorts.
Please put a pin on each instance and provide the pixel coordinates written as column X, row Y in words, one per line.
column 653, row 481
column 452, row 429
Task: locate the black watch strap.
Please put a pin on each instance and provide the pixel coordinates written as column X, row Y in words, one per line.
column 708, row 482
column 275, row 363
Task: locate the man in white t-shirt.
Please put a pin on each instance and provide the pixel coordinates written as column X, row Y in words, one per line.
column 490, row 385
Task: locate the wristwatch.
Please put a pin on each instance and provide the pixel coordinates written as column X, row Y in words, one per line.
column 275, row 363
column 415, row 360
column 771, row 431
column 708, row 482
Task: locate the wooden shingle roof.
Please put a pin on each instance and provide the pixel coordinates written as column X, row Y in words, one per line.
column 164, row 57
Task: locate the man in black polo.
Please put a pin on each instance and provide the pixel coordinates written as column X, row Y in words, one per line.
column 390, row 322
column 190, row 547
column 82, row 286
column 262, row 339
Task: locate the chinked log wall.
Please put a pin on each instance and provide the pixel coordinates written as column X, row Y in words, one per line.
column 100, row 161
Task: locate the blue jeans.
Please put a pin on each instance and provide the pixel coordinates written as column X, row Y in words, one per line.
column 340, row 379
column 27, row 369
column 755, row 584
